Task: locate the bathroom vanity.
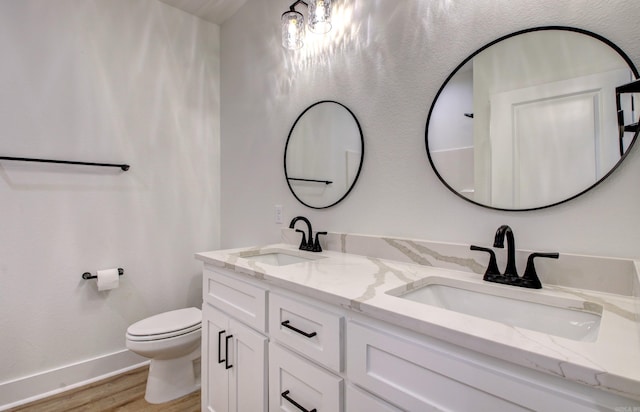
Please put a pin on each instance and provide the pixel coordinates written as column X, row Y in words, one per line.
column 375, row 324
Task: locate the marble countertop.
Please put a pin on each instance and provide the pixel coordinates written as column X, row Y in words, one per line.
column 368, row 284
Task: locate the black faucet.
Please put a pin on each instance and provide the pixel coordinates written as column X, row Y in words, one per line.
column 309, row 244
column 510, row 276
column 492, row 269
column 504, row 230
column 530, row 278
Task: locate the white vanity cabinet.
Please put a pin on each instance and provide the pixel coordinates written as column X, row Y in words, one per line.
column 303, row 360
column 234, row 356
column 268, row 348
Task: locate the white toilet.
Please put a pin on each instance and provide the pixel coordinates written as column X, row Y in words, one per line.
column 172, row 341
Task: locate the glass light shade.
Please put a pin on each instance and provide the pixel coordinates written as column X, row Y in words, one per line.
column 320, row 16
column 292, row 30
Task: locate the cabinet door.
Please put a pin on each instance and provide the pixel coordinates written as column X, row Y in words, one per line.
column 215, row 378
column 247, row 373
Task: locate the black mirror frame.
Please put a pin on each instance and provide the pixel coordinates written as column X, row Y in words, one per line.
column 286, row 176
column 465, row 61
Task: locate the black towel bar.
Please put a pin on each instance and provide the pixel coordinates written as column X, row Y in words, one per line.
column 124, row 167
column 326, row 182
column 87, row 275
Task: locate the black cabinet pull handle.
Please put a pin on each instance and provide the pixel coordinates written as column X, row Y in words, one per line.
column 285, row 395
column 287, row 325
column 226, row 349
column 220, row 360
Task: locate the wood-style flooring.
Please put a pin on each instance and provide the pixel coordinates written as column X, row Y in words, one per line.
column 122, row 393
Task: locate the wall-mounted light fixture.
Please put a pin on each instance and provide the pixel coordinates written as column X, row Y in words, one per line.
column 293, row 29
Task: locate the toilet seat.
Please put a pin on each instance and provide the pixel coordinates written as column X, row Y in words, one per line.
column 166, row 325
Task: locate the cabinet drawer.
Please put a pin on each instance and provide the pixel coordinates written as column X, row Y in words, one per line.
column 417, row 377
column 242, row 300
column 296, row 384
column 359, row 400
column 307, row 329
column 427, row 375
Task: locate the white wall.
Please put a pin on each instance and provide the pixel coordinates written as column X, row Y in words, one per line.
column 449, row 128
column 386, row 60
column 104, row 81
column 450, row 132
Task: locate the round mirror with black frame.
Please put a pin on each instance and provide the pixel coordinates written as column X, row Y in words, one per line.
column 534, row 119
column 323, row 155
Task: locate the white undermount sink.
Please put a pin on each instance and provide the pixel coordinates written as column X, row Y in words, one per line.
column 277, row 257
column 567, row 318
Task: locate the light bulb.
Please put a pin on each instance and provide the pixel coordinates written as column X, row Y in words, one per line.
column 320, row 16
column 292, row 30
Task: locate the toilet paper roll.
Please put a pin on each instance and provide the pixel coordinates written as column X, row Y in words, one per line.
column 108, row 279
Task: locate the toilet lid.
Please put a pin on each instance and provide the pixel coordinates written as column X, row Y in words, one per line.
column 181, row 320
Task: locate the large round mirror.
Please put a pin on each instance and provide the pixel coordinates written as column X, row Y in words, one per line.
column 323, row 155
column 534, row 119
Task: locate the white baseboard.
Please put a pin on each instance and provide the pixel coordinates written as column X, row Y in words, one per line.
column 51, row 382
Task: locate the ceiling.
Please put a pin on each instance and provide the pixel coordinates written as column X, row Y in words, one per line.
column 214, row 11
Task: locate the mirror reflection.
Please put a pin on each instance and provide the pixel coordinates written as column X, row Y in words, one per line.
column 531, row 120
column 323, row 155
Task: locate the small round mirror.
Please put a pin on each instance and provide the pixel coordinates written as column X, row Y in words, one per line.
column 323, row 155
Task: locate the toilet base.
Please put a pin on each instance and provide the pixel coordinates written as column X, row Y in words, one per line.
column 170, row 379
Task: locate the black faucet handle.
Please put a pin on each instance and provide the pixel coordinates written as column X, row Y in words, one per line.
column 316, row 245
column 303, row 244
column 530, row 276
column 492, row 269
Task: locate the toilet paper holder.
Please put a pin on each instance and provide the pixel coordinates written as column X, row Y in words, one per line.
column 87, row 275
